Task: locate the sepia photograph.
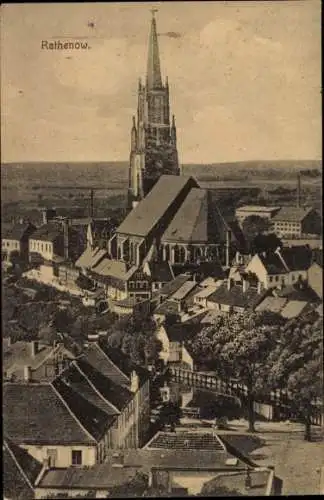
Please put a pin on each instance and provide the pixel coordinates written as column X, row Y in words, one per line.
column 161, row 249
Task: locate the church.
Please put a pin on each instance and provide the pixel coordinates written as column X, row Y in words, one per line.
column 153, row 134
column 171, row 221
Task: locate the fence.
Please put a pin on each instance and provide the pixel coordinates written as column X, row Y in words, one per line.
column 274, row 405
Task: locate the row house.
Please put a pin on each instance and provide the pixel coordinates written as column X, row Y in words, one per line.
column 94, row 404
column 285, row 266
column 14, row 241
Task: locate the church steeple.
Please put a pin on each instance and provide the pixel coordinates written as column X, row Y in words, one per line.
column 153, row 75
column 153, row 137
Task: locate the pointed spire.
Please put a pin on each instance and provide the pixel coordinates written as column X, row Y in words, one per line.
column 153, row 76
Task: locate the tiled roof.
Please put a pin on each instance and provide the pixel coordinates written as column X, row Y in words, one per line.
column 235, row 483
column 186, row 441
column 293, row 309
column 183, row 291
column 19, row 354
column 76, row 379
column 161, row 272
column 142, row 219
column 16, row 231
column 48, row 232
column 274, row 304
column 129, row 302
column 96, row 357
column 169, row 288
column 298, row 258
column 205, row 292
column 272, row 263
column 106, row 475
column 19, row 472
column 181, row 332
column 118, row 396
column 114, row 269
column 92, row 417
column 235, row 296
column 125, row 363
column 90, row 257
column 190, row 224
column 292, row 214
column 167, row 307
column 29, row 465
column 101, row 476
column 35, row 414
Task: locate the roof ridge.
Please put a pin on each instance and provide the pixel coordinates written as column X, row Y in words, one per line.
column 13, row 456
column 71, row 412
column 74, row 362
column 111, row 361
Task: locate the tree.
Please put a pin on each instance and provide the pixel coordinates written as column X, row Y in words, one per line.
column 296, row 366
column 265, row 243
column 170, row 414
column 254, row 225
column 238, row 347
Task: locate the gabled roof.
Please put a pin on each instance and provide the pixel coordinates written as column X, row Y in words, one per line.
column 16, row 231
column 235, row 296
column 90, row 257
column 35, row 414
column 118, row 396
column 161, row 272
column 297, row 258
column 77, row 380
column 169, row 288
column 168, row 307
column 114, row 269
column 272, row 263
column 184, row 290
column 292, row 214
column 91, row 416
column 293, row 309
column 143, row 218
column 96, row 357
column 20, row 471
column 19, row 354
column 181, row 332
column 48, row 232
column 125, row 363
column 273, row 304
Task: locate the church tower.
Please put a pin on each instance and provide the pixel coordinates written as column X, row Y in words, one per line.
column 153, row 135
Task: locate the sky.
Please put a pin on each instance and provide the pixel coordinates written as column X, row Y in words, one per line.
column 244, row 77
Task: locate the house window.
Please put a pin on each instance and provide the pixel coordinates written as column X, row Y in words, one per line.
column 276, row 278
column 293, row 277
column 52, row 457
column 76, row 457
column 270, row 279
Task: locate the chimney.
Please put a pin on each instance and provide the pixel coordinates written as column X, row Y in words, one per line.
column 229, row 283
column 27, row 373
column 299, row 190
column 34, row 348
column 66, row 238
column 246, row 285
column 91, row 203
column 134, row 382
column 46, row 463
column 228, row 245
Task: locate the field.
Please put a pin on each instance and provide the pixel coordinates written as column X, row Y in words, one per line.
column 25, row 187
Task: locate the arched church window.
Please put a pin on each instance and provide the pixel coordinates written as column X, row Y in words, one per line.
column 176, row 254
column 182, row 254
column 167, row 252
